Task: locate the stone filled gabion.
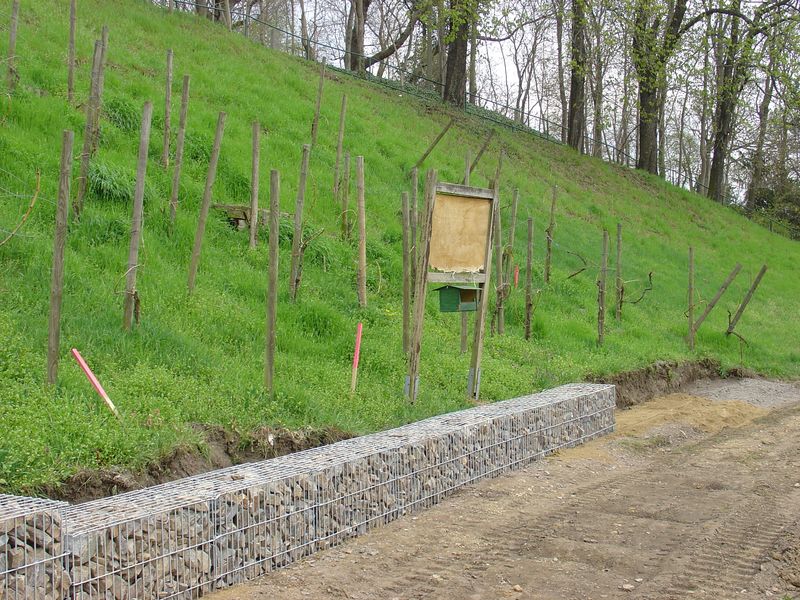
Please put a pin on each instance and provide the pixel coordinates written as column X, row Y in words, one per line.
column 185, row 538
column 31, row 549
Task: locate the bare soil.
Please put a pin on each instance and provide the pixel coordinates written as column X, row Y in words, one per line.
column 692, row 497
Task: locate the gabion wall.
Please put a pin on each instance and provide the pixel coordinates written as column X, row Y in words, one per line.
column 185, row 538
column 31, row 549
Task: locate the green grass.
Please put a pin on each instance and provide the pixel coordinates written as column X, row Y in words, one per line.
column 199, row 358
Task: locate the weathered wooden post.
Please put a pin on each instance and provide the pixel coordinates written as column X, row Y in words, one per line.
column 601, row 292
column 529, row 281
column 498, row 257
column 508, row 254
column 136, row 220
column 362, row 234
column 345, row 195
column 88, row 133
column 421, row 284
column 297, row 238
column 464, row 314
column 548, row 257
column 710, row 306
column 434, row 143
column 339, row 144
column 73, row 10
column 272, row 283
column 620, row 286
column 11, row 75
column 101, row 82
column 406, row 209
column 206, row 203
column 315, row 123
column 167, row 111
column 414, row 215
column 176, row 175
column 690, row 311
column 57, row 284
column 746, row 301
column 254, row 184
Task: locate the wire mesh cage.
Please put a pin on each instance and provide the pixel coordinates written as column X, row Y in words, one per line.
column 32, row 554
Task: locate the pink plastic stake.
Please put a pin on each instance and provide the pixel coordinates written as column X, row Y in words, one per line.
column 516, row 276
column 95, row 382
column 356, row 356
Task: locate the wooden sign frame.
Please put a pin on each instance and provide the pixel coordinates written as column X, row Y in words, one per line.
column 448, row 250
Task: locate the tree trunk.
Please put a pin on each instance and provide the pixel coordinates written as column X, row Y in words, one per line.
column 647, row 149
column 577, row 87
column 562, row 93
column 757, row 177
column 455, row 85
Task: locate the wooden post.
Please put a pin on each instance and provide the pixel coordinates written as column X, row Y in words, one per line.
column 529, row 281
column 297, row 238
column 77, row 205
column 717, row 296
column 421, row 285
column 362, row 234
column 406, row 210
column 464, row 314
column 315, row 123
column 356, row 355
column 254, row 184
column 508, row 254
column 548, row 257
column 73, row 15
column 414, row 219
column 57, row 285
column 339, row 143
column 272, row 284
column 228, row 16
column 206, row 203
column 474, row 376
column 601, row 292
column 620, row 286
column 176, row 175
column 167, row 111
column 345, row 193
column 746, row 301
column 434, row 143
column 690, row 311
column 12, row 76
column 171, row 5
column 481, row 151
column 500, row 289
column 98, row 103
column 136, row 220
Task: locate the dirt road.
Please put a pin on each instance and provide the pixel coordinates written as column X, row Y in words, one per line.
column 693, row 497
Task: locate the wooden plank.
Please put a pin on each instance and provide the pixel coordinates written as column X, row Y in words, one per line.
column 59, row 243
column 272, row 281
column 254, row 173
column 297, row 237
column 204, row 206
column 717, row 296
column 467, row 191
column 455, row 278
column 176, row 174
column 137, row 218
column 746, row 301
column 362, row 233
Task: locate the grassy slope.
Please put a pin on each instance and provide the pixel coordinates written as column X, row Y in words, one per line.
column 199, row 358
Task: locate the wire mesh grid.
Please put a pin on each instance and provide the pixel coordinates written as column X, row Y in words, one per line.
column 32, row 553
column 185, row 538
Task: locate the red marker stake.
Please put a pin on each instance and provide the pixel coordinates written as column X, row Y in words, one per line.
column 95, row 382
column 516, row 276
column 356, row 356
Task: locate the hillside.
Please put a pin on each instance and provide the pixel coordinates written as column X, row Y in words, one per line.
column 199, row 358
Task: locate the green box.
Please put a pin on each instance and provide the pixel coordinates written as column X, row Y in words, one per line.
column 458, row 298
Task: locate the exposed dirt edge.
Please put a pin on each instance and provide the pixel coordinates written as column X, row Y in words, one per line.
column 662, row 377
column 221, row 448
